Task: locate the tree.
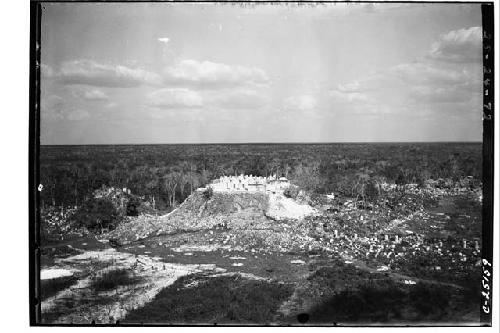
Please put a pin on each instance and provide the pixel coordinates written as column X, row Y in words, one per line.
column 152, row 187
column 208, row 193
column 372, row 190
column 307, row 177
column 183, row 181
column 171, row 183
column 257, row 166
column 362, row 178
column 274, row 167
column 97, row 215
column 194, row 180
column 291, row 192
column 192, row 169
column 205, row 177
column 133, row 206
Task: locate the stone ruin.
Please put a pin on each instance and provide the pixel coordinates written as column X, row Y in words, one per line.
column 245, row 183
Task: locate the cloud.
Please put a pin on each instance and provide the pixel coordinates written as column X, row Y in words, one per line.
column 164, row 40
column 185, row 73
column 433, row 95
column 46, row 71
column 429, row 73
column 448, row 80
column 89, row 94
column 463, row 45
column 300, row 103
column 54, row 108
column 92, row 73
column 78, row 114
column 211, row 75
column 240, row 99
column 348, row 97
column 413, row 84
column 450, row 73
column 349, row 87
column 95, row 94
column 228, row 99
column 175, row 98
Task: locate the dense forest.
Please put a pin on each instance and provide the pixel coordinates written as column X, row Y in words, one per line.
column 167, row 174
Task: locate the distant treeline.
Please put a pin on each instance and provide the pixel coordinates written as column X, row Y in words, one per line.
column 167, row 174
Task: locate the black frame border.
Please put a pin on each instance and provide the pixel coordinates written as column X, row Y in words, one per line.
column 34, row 162
column 487, row 10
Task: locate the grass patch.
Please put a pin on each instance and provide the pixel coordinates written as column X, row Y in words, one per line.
column 59, row 251
column 467, row 203
column 69, row 305
column 386, row 301
column 342, row 293
column 113, row 279
column 49, row 288
column 227, row 299
column 65, row 306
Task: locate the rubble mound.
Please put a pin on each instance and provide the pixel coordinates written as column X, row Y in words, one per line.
column 283, row 208
column 221, row 203
column 197, row 212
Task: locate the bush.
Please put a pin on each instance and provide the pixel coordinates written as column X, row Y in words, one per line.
column 49, row 288
column 119, row 198
column 97, row 215
column 429, row 299
column 384, row 301
column 133, row 206
column 372, row 190
column 112, row 279
column 291, row 192
column 225, row 299
column 208, row 193
column 308, row 177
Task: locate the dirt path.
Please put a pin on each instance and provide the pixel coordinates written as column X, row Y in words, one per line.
column 80, row 304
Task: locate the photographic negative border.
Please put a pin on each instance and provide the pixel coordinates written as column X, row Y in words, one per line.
column 34, row 162
column 487, row 9
column 488, row 162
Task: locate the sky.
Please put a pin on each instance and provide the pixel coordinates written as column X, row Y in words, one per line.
column 140, row 73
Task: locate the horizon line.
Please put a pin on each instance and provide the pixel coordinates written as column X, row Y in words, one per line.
column 254, row 143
